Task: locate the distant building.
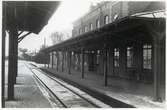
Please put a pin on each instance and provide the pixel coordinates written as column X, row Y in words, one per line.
column 107, row 12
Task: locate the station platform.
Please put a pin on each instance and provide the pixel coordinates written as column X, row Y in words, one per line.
column 27, row 93
column 130, row 92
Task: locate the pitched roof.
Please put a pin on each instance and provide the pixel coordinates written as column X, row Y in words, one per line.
column 29, row 16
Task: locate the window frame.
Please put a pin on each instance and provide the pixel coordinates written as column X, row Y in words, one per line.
column 130, row 49
column 148, row 64
column 116, row 57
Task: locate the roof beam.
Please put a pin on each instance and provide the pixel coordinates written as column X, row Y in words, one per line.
column 22, row 37
column 20, row 33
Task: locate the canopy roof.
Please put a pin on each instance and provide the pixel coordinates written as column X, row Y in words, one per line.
column 29, row 16
column 121, row 29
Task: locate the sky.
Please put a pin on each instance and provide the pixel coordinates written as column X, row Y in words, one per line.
column 61, row 21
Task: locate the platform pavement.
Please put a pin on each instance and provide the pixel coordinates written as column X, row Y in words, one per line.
column 27, row 93
column 129, row 92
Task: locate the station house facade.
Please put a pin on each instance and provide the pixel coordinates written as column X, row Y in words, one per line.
column 112, row 40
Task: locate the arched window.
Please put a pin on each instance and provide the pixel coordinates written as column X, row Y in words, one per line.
column 97, row 23
column 106, row 19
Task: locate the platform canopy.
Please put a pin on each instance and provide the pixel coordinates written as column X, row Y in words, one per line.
column 123, row 28
column 18, row 17
column 29, row 16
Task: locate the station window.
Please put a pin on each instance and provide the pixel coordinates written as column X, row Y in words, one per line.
column 91, row 26
column 106, row 19
column 116, row 57
column 130, row 56
column 147, row 54
column 98, row 23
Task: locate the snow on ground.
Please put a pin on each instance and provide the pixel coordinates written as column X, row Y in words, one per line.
column 27, row 93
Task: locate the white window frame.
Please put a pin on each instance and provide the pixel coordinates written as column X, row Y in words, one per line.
column 147, row 56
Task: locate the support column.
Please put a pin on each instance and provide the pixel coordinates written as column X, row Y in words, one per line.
column 62, row 61
column 52, row 59
column 12, row 71
column 45, row 65
column 157, row 69
column 158, row 33
column 82, row 63
column 138, row 57
column 15, row 56
column 111, row 60
column 12, row 66
column 65, row 61
column 69, row 62
column 3, row 67
column 3, row 53
column 57, row 57
column 45, row 60
column 49, row 60
column 105, row 65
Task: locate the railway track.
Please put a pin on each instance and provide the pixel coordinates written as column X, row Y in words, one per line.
column 57, row 100
column 65, row 96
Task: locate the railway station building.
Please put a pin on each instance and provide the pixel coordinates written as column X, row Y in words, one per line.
column 122, row 40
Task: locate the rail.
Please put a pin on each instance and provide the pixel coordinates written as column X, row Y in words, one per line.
column 65, row 105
